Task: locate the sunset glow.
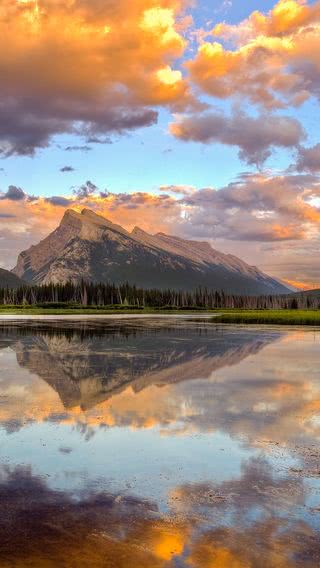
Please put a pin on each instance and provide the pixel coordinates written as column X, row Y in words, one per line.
column 136, row 96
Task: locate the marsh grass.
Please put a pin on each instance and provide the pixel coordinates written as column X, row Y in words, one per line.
column 278, row 317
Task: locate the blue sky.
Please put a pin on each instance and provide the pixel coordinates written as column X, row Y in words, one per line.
column 181, row 107
column 150, row 157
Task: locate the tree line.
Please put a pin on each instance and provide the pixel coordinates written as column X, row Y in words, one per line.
column 126, row 295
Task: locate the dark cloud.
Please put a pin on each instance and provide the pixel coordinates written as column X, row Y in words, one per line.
column 104, row 194
column 65, row 450
column 309, row 159
column 67, row 169
column 14, row 194
column 59, row 201
column 78, row 149
column 255, row 137
column 24, row 127
column 97, row 140
column 17, row 194
column 86, row 190
column 7, row 216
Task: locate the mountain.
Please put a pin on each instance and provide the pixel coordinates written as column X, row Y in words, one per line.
column 9, row 280
column 308, row 293
column 90, row 247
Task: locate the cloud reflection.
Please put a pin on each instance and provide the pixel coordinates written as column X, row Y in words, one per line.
column 43, row 527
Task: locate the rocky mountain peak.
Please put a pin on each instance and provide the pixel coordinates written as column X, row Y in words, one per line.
column 89, row 225
column 137, row 232
column 91, row 247
column 70, row 216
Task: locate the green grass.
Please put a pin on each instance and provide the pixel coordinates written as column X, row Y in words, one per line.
column 234, row 316
column 279, row 317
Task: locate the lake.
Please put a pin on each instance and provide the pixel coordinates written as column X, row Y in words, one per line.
column 158, row 443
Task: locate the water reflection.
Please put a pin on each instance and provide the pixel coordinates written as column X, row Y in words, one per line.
column 157, row 444
column 253, row 526
column 88, row 365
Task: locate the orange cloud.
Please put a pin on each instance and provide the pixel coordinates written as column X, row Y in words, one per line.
column 274, row 62
column 86, row 66
column 302, row 285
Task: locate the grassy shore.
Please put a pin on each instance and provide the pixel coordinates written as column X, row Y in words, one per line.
column 279, row 317
column 234, row 316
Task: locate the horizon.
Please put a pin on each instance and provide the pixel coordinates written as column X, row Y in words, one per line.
column 197, row 120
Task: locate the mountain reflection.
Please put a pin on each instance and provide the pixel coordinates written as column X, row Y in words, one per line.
column 89, row 365
column 183, row 378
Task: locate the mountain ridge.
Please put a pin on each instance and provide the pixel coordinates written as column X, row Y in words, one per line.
column 9, row 279
column 88, row 246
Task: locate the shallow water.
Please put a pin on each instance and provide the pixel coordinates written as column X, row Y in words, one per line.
column 159, row 443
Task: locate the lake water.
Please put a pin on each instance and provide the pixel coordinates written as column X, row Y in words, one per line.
column 159, row 443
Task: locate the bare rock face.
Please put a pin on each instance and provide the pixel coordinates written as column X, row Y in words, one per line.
column 89, row 247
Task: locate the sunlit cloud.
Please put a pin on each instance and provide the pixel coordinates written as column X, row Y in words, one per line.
column 127, row 53
column 271, row 59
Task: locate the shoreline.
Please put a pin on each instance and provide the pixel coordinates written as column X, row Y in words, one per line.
column 234, row 317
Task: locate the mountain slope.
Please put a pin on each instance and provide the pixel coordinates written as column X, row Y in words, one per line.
column 88, row 246
column 309, row 293
column 9, row 280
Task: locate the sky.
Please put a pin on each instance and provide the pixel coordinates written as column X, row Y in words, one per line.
column 196, row 118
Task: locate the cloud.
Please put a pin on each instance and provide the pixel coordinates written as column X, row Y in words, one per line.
column 177, row 189
column 14, row 194
column 78, row 148
column 309, row 159
column 97, row 140
column 224, row 7
column 59, row 201
column 67, row 169
column 273, row 62
column 256, row 208
column 86, row 190
column 7, row 216
column 256, row 137
column 118, row 66
column 257, row 488
column 25, row 127
column 111, row 527
column 103, row 526
column 122, row 63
